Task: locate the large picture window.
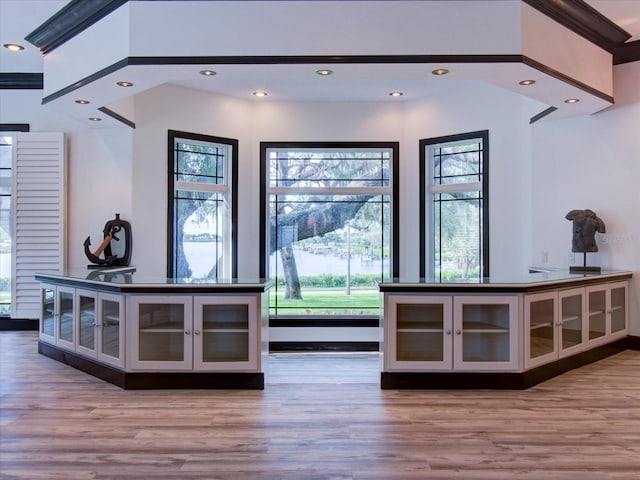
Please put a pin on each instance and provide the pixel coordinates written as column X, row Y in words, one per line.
column 202, row 206
column 328, row 226
column 454, row 227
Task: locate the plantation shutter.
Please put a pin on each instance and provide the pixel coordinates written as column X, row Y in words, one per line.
column 38, row 216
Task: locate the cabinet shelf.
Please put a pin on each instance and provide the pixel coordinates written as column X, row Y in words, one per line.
column 226, row 330
column 596, row 312
column 419, row 330
column 541, row 325
column 485, row 330
column 571, row 318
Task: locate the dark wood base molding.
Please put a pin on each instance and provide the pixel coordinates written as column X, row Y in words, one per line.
column 498, row 380
column 324, row 347
column 19, row 324
column 634, row 342
column 155, row 380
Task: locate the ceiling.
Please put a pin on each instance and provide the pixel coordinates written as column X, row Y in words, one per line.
column 18, row 18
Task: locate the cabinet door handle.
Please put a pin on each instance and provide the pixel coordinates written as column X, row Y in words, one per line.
column 187, row 332
column 196, row 332
column 458, row 332
column 447, row 331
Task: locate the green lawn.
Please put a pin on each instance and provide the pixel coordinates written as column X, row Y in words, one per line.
column 328, row 301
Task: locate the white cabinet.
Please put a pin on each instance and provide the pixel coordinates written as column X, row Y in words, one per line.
column 461, row 332
column 185, row 332
column 57, row 315
column 607, row 307
column 100, row 326
column 83, row 321
column 554, row 325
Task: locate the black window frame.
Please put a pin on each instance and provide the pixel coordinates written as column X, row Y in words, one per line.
column 425, row 196
column 233, row 143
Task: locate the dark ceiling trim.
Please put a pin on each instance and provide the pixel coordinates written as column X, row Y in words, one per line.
column 21, row 81
column 325, row 59
column 116, row 116
column 282, row 60
column 629, row 52
column 542, row 114
column 575, row 15
column 320, row 59
column 87, row 80
column 69, row 21
column 15, row 127
column 581, row 18
column 566, row 79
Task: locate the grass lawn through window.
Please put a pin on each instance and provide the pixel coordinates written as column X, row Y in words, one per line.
column 335, row 301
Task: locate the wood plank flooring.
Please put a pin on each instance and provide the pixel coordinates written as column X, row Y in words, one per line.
column 60, row 423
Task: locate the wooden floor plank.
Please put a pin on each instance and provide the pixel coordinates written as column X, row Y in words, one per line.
column 319, row 417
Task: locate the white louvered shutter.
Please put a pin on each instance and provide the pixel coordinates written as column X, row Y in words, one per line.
column 39, row 224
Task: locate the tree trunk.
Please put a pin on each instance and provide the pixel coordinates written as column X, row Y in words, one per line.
column 292, row 280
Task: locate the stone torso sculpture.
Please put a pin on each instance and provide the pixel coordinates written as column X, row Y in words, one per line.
column 585, row 225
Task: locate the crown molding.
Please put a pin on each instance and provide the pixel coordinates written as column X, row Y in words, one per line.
column 69, row 21
column 629, row 52
column 581, row 18
column 21, row 81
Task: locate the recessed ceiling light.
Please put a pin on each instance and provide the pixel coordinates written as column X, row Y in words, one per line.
column 14, row 47
column 324, row 72
column 259, row 94
column 95, row 119
column 125, row 84
column 571, row 100
column 208, row 73
column 82, row 102
column 440, row 71
column 396, row 94
column 527, row 82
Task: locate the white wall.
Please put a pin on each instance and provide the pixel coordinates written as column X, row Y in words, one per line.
column 506, row 115
column 98, row 168
column 176, row 108
column 592, row 162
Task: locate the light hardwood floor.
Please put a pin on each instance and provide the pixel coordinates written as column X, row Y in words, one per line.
column 312, row 423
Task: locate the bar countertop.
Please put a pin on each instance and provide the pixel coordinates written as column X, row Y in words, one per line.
column 128, row 280
column 527, row 282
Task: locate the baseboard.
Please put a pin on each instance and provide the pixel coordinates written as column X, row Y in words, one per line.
column 633, row 342
column 324, row 347
column 498, row 380
column 155, row 380
column 19, row 324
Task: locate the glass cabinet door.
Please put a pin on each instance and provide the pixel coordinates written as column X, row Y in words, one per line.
column 162, row 331
column 419, row 332
column 485, row 332
column 572, row 337
column 87, row 307
column 65, row 301
column 47, row 313
column 225, row 332
column 619, row 309
column 541, row 341
column 111, row 329
column 597, row 318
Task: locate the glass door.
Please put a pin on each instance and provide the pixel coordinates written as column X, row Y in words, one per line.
column 540, row 322
column 619, row 310
column 572, row 335
column 65, row 304
column 485, row 332
column 418, row 333
column 111, row 329
column 162, row 332
column 87, row 322
column 225, row 332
